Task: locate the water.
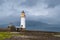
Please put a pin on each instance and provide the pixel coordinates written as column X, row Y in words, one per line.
column 52, row 29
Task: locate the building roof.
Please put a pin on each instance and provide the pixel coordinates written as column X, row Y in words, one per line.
column 23, row 12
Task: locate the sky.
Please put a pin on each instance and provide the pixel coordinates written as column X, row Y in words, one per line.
column 47, row 11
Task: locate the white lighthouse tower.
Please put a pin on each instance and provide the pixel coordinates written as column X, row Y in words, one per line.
column 22, row 25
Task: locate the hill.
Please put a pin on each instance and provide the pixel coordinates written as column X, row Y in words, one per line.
column 36, row 25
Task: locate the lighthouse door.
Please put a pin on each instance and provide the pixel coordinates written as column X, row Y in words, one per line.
column 22, row 28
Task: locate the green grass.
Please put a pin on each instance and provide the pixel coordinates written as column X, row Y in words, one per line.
column 4, row 35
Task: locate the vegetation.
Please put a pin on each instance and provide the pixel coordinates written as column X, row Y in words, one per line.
column 4, row 35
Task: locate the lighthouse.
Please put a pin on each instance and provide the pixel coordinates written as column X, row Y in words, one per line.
column 22, row 25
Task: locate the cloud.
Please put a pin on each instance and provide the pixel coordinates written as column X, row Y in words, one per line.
column 45, row 11
column 29, row 3
column 38, row 10
column 52, row 3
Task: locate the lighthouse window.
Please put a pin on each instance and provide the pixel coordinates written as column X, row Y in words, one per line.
column 21, row 25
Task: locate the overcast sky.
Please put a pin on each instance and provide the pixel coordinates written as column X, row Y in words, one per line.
column 47, row 11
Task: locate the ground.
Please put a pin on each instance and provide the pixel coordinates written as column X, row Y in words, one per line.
column 29, row 35
column 4, row 35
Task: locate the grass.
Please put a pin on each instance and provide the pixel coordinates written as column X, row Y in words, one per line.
column 4, row 35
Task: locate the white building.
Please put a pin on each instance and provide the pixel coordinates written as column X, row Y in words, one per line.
column 23, row 16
